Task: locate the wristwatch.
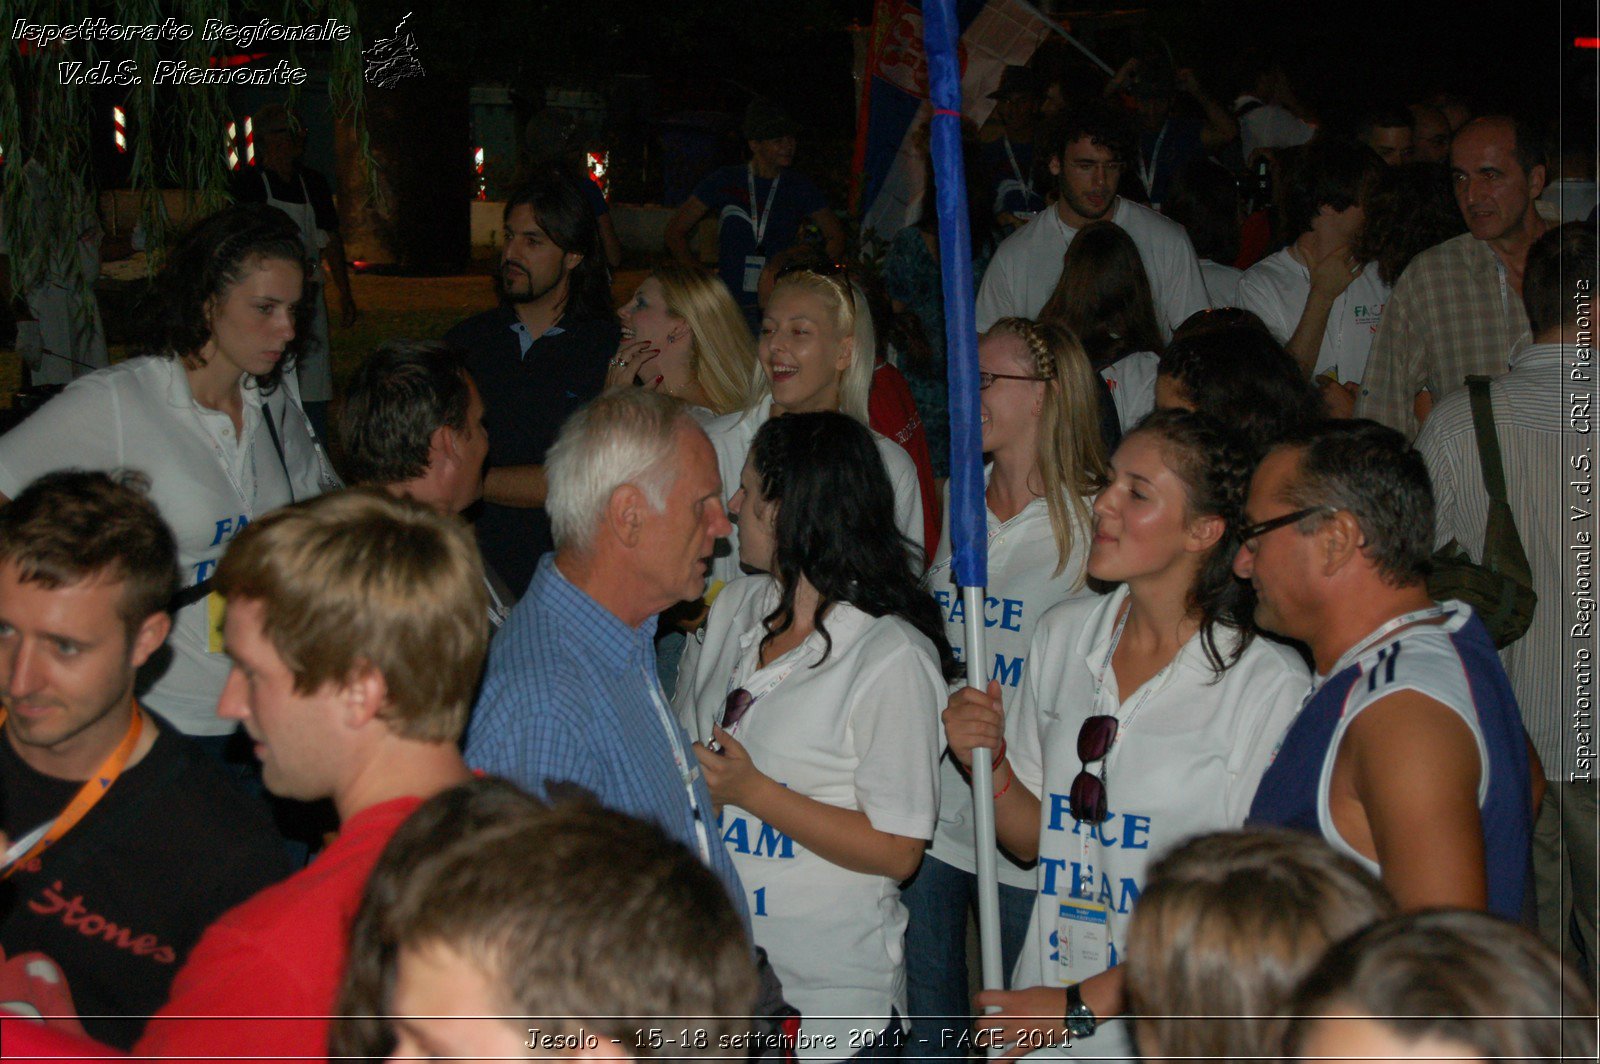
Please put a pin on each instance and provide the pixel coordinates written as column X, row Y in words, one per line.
column 1081, row 1022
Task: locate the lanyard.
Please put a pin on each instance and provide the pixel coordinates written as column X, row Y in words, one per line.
column 768, row 685
column 1147, row 171
column 93, row 789
column 681, row 760
column 1370, row 642
column 1027, row 185
column 759, row 222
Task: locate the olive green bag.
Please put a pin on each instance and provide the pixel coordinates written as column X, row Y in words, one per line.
column 1500, row 588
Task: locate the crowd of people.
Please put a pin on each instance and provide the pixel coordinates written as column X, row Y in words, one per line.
column 590, row 681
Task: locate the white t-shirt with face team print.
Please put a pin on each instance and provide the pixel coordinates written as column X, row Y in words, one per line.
column 1023, row 586
column 207, row 480
column 1188, row 754
column 1276, row 289
column 857, row 731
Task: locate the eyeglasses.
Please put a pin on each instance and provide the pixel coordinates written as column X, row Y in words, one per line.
column 1250, row 533
column 985, row 378
column 1087, row 799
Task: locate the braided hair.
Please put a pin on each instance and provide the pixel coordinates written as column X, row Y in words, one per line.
column 1072, row 454
column 1215, row 467
column 836, row 527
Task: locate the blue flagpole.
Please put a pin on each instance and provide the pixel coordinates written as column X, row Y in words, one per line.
column 968, row 527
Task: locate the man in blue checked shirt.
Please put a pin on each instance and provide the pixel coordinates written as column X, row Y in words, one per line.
column 571, row 694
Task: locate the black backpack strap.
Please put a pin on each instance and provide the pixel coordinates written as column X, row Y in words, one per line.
column 1494, row 476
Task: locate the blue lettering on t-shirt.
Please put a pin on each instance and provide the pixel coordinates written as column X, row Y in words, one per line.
column 1007, row 670
column 203, row 569
column 770, row 842
column 228, row 527
column 1010, row 611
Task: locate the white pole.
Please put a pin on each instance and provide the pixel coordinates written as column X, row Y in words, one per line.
column 983, row 808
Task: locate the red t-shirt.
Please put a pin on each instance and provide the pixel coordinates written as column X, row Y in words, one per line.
column 279, row 955
column 893, row 413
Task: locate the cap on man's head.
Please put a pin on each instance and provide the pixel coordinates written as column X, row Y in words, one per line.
column 1017, row 81
column 764, row 120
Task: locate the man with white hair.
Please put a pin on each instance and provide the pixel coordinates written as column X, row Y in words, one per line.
column 571, row 694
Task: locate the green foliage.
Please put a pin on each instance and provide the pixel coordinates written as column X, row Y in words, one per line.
column 175, row 133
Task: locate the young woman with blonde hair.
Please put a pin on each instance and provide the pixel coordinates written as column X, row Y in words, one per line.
column 816, row 353
column 683, row 334
column 1039, row 404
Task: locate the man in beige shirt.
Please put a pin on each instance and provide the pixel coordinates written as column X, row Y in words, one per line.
column 1457, row 309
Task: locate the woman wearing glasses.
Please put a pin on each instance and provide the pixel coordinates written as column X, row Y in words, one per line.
column 1144, row 718
column 816, row 353
column 809, row 697
column 1040, row 411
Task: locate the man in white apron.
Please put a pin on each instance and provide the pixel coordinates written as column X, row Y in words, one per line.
column 280, row 181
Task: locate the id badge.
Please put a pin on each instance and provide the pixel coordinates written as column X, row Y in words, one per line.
column 216, row 607
column 1083, row 939
column 753, row 265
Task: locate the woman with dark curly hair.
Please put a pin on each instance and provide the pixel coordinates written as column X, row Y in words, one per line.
column 1144, row 717
column 1410, row 210
column 207, row 415
column 1239, row 374
column 811, row 696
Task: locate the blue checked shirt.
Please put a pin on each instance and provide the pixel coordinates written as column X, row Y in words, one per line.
column 571, row 695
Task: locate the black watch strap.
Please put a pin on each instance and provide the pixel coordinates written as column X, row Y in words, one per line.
column 1080, row 1018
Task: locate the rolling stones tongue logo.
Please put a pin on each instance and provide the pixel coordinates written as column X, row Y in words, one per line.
column 33, row 985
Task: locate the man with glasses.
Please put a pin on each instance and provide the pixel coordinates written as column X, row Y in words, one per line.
column 1408, row 754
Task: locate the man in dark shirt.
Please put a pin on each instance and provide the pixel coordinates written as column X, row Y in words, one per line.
column 127, row 840
column 536, row 358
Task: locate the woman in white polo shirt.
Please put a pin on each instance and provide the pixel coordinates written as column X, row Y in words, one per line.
column 815, row 686
column 1145, row 717
column 816, row 350
column 209, row 416
column 1040, row 412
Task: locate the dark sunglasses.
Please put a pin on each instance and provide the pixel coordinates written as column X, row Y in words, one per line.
column 1087, row 799
column 733, row 710
column 1250, row 533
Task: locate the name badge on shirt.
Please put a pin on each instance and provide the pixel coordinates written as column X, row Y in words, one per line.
column 753, row 265
column 215, row 609
column 1083, row 939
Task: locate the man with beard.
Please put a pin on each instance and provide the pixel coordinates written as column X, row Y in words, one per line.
column 1088, row 151
column 536, row 358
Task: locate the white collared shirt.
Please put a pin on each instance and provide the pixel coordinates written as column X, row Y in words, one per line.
column 207, row 481
column 1189, row 753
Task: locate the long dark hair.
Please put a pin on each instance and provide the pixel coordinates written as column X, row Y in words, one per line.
column 1215, row 468
column 836, row 526
column 565, row 216
column 210, row 258
column 1104, row 295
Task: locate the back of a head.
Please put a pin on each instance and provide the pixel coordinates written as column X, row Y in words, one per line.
column 569, row 222
column 1239, row 374
column 625, row 437
column 1411, row 209
column 358, row 579
column 580, row 917
column 1204, row 198
column 724, row 353
column 1370, row 471
column 394, row 403
column 1104, row 295
column 1558, row 283
column 70, row 527
column 1465, row 977
column 1332, row 172
column 1227, row 926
